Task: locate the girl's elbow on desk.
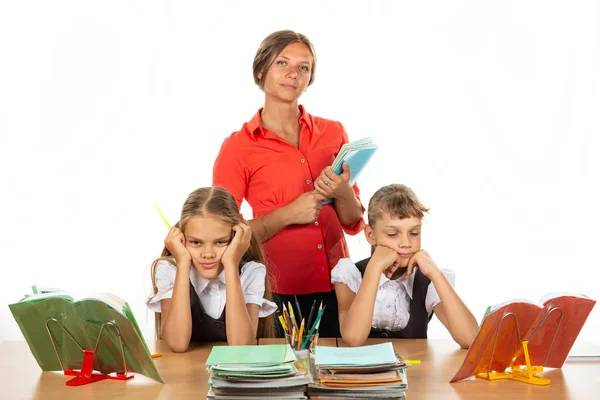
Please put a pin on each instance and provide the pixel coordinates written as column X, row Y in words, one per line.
column 178, row 347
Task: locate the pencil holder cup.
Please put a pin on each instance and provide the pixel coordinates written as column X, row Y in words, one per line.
column 303, row 342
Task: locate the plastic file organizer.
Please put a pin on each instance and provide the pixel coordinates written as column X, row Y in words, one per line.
column 518, row 339
column 92, row 339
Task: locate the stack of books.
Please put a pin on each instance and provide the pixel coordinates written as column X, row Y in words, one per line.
column 357, row 155
column 374, row 371
column 256, row 372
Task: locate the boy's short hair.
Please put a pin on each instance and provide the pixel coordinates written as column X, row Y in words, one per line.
column 396, row 200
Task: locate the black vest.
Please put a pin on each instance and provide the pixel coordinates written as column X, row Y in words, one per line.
column 418, row 319
column 204, row 327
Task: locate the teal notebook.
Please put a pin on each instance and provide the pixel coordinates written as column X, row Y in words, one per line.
column 47, row 311
column 242, row 355
column 377, row 354
column 356, row 154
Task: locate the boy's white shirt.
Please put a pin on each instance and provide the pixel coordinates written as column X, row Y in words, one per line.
column 211, row 292
column 392, row 303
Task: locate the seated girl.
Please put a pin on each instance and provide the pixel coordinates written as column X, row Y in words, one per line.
column 395, row 292
column 210, row 283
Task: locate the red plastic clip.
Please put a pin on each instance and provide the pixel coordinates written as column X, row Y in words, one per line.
column 86, row 374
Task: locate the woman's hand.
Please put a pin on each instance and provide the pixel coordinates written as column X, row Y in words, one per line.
column 242, row 233
column 305, row 209
column 175, row 243
column 423, row 260
column 332, row 185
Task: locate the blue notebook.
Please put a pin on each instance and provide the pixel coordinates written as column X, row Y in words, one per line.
column 356, row 154
column 362, row 356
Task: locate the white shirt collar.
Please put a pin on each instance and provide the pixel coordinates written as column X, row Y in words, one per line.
column 201, row 283
column 406, row 282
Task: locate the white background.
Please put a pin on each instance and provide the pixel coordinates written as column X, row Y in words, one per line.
column 488, row 110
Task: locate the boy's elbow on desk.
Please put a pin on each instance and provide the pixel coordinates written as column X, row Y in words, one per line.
column 354, row 340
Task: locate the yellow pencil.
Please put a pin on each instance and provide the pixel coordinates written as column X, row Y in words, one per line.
column 155, row 355
column 292, row 316
column 300, row 333
column 282, row 321
column 293, row 337
column 165, row 220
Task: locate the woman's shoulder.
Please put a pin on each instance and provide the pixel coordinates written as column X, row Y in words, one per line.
column 320, row 121
column 326, row 123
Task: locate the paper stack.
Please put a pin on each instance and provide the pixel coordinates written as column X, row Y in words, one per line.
column 256, row 372
column 373, row 371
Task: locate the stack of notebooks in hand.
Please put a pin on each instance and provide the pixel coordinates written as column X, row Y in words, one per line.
column 255, row 372
column 356, row 154
column 374, row 371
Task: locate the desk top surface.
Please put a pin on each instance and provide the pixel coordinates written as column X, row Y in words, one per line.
column 185, row 376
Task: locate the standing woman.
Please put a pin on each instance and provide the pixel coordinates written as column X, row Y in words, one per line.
column 279, row 162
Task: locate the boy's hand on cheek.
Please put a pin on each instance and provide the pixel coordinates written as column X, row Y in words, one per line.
column 238, row 246
column 423, row 260
column 175, row 243
column 385, row 259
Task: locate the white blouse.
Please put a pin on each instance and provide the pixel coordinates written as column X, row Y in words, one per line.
column 392, row 303
column 211, row 292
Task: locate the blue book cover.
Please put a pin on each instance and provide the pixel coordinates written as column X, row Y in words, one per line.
column 357, row 155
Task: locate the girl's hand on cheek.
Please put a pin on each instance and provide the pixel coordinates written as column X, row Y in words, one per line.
column 240, row 243
column 175, row 243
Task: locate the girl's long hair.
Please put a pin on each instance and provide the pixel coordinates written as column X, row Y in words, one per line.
column 216, row 202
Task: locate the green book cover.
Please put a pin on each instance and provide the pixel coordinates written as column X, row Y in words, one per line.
column 47, row 313
column 266, row 354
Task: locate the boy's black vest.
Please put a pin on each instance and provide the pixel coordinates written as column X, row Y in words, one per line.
column 418, row 319
column 205, row 328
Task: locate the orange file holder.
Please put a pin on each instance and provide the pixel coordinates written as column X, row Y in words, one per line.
column 518, row 339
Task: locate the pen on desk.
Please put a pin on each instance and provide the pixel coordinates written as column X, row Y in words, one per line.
column 298, row 307
column 412, row 361
column 165, row 220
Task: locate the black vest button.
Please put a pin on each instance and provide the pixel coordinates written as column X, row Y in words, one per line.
column 385, row 335
column 217, row 325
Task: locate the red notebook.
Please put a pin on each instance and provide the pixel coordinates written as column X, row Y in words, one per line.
column 551, row 330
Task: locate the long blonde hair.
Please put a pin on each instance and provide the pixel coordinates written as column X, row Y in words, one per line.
column 216, row 202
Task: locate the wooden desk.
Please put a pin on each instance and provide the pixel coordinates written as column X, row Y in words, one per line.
column 185, row 376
